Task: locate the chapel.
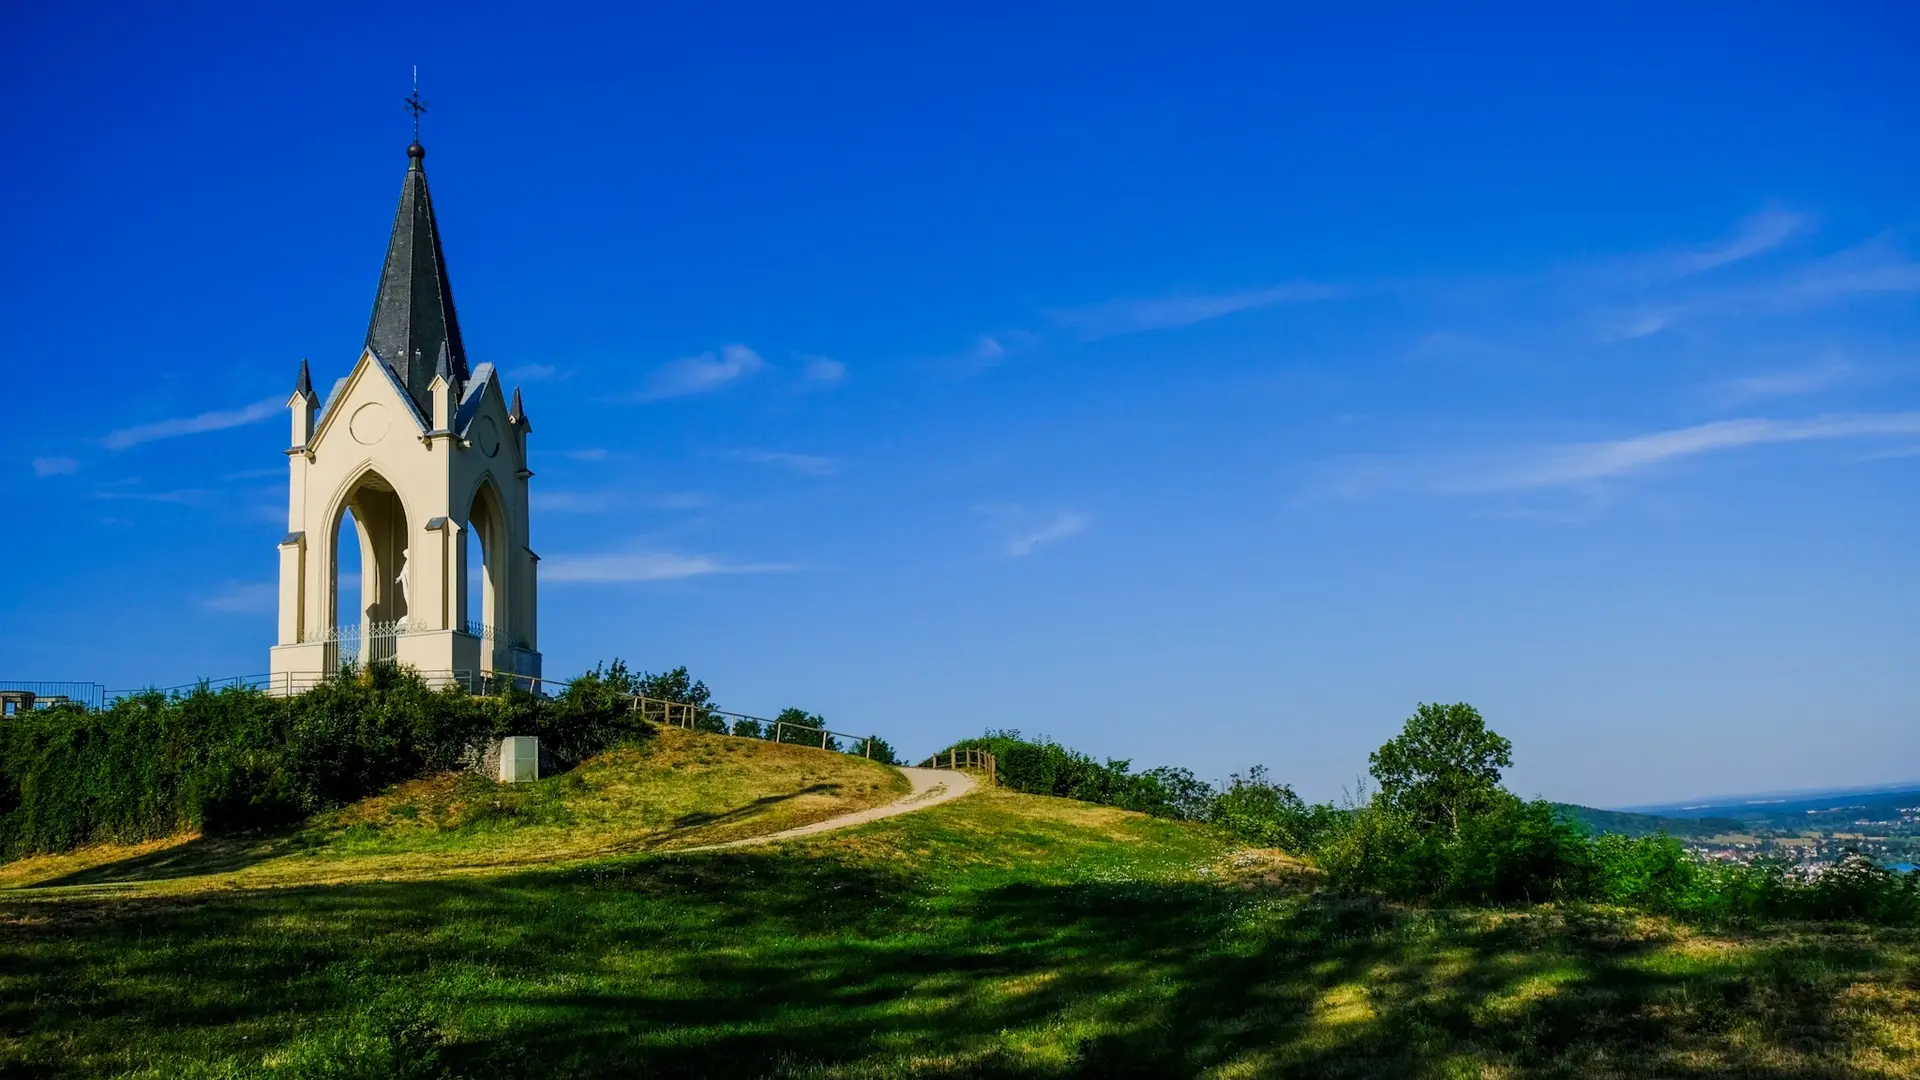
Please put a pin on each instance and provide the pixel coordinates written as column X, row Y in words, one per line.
column 424, row 458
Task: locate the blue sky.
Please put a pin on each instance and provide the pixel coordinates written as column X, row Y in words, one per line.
column 1198, row 385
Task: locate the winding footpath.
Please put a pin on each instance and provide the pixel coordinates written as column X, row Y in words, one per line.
column 931, row 787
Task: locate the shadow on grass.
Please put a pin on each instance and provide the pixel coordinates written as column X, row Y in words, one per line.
column 202, row 855
column 739, row 813
column 747, row 965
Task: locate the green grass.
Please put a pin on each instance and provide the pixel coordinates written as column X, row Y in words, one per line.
column 679, row 789
column 998, row 935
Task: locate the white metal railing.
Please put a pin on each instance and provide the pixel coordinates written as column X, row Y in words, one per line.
column 364, row 643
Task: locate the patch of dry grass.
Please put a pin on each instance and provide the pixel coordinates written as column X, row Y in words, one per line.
column 681, row 789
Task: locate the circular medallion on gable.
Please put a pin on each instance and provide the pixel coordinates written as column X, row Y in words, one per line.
column 368, row 423
column 486, row 436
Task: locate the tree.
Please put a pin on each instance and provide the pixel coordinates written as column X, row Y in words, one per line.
column 802, row 728
column 875, row 747
column 682, row 688
column 1443, row 766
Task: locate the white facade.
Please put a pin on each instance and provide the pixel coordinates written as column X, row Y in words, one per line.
column 417, row 476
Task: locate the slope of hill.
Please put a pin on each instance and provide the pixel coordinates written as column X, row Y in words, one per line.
column 680, row 789
column 997, row 935
column 1631, row 824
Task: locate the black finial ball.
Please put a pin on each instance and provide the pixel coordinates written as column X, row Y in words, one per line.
column 416, row 151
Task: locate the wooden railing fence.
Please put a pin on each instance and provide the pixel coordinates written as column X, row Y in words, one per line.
column 682, row 715
column 966, row 760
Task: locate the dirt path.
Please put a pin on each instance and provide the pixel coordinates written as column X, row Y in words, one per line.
column 931, row 787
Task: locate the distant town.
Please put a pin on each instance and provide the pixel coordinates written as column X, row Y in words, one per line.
column 1808, row 833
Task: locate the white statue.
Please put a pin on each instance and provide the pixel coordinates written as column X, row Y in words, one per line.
column 405, row 597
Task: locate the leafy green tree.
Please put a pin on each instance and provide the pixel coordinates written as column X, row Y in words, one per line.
column 1442, row 768
column 802, row 728
column 1256, row 809
column 875, row 747
column 681, row 687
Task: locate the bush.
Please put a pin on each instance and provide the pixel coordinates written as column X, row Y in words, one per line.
column 874, row 747
column 1256, row 810
column 221, row 761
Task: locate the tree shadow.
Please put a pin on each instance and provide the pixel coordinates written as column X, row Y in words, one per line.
column 194, row 858
column 771, row 964
column 701, row 819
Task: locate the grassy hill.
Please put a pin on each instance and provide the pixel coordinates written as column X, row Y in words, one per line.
column 1631, row 824
column 679, row 789
column 997, row 935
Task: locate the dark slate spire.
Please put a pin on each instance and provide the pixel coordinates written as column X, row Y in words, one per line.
column 303, row 387
column 413, row 322
column 516, row 413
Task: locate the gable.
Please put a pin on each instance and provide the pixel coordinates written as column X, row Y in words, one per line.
column 371, row 401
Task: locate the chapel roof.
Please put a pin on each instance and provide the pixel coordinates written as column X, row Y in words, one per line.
column 413, row 330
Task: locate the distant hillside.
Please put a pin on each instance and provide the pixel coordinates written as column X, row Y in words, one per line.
column 1626, row 824
column 1828, row 809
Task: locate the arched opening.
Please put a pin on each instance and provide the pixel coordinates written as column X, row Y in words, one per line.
column 369, row 584
column 485, row 587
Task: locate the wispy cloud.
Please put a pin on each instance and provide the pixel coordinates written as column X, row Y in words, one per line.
column 592, row 453
column 703, row 374
column 804, row 464
column 1578, row 464
column 242, row 598
column 1758, row 234
column 1786, row 383
column 257, row 474
column 1062, row 525
column 526, row 373
column 178, row 497
column 823, row 370
column 1877, row 267
column 566, row 502
column 594, row 502
column 218, row 420
column 644, row 567
column 1116, row 317
column 55, row 466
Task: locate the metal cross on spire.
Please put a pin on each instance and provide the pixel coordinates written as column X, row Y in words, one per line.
column 414, row 104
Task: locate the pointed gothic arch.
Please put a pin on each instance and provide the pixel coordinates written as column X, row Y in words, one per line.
column 486, row 522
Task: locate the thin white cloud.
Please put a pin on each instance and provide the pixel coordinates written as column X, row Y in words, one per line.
column 243, row 598
column 594, row 502
column 1874, row 268
column 645, row 566
column 804, row 464
column 1116, row 317
column 218, row 420
column 1756, row 235
column 824, row 370
column 180, row 497
column 703, row 374
column 592, row 453
column 55, row 466
column 1786, row 383
column 1066, row 523
column 526, row 373
column 566, row 502
column 1586, row 462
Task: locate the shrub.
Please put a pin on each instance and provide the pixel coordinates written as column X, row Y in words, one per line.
column 221, row 761
column 1255, row 809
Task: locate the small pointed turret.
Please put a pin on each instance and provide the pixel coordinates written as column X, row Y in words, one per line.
column 441, row 392
column 302, row 405
column 414, row 325
column 514, row 412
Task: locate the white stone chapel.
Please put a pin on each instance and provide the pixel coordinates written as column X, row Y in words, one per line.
column 422, row 450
